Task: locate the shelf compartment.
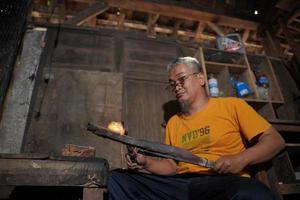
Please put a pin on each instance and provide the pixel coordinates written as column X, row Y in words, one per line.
column 260, row 65
column 244, row 76
column 215, row 55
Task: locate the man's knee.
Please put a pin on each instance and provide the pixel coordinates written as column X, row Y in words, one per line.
column 253, row 190
column 116, row 176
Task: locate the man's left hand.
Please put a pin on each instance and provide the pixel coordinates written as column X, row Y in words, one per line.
column 231, row 164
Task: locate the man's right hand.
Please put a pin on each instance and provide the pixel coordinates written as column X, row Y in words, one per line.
column 138, row 161
column 135, row 160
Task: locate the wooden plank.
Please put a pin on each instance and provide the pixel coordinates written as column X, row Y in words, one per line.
column 85, row 51
column 159, row 58
column 293, row 188
column 200, row 29
column 275, row 88
column 150, row 46
column 293, row 17
column 286, row 5
column 284, row 168
column 184, row 13
column 289, row 88
column 176, row 28
column 98, row 58
column 121, row 19
column 287, row 128
column 246, row 35
column 88, row 13
column 225, row 64
column 152, row 18
column 262, row 176
column 72, row 171
column 290, row 39
column 93, row 193
column 144, row 115
column 73, row 98
column 216, row 28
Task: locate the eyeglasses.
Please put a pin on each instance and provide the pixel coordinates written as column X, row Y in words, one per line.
column 180, row 82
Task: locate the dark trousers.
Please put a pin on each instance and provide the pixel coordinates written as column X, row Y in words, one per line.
column 128, row 185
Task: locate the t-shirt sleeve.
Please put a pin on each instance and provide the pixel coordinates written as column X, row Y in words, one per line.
column 250, row 122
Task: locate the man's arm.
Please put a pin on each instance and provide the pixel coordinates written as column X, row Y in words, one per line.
column 150, row 164
column 268, row 145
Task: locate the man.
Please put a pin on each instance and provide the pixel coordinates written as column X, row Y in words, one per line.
column 213, row 128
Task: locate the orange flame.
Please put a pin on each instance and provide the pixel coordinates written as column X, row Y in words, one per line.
column 116, row 127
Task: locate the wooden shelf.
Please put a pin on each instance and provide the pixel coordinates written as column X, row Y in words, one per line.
column 289, row 122
column 226, row 64
column 291, row 126
column 289, row 188
column 279, row 102
column 256, row 100
column 219, row 50
column 297, row 145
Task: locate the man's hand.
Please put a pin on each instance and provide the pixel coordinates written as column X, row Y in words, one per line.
column 135, row 160
column 230, row 164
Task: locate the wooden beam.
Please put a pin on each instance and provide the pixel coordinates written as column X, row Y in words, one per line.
column 291, row 188
column 246, row 35
column 200, row 29
column 216, row 28
column 165, row 30
column 176, row 27
column 290, row 40
column 83, row 1
column 88, row 13
column 121, row 19
column 183, row 13
column 92, row 22
column 286, row 5
column 152, row 18
column 293, row 16
column 129, row 14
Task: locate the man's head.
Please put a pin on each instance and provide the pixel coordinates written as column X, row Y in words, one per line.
column 186, row 80
column 191, row 62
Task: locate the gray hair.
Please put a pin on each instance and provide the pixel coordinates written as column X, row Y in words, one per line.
column 189, row 61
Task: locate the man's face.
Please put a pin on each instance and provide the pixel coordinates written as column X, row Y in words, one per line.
column 185, row 83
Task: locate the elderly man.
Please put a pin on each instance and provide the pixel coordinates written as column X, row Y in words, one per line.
column 213, row 128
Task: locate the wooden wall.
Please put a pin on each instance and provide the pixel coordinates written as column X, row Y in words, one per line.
column 98, row 76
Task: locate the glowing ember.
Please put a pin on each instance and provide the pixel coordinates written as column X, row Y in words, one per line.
column 116, row 127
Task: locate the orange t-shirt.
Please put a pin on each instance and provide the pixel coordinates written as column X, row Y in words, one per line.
column 218, row 129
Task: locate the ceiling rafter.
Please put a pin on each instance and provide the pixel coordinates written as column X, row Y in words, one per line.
column 216, row 28
column 200, row 29
column 184, row 13
column 91, row 12
column 246, row 35
column 176, row 27
column 121, row 19
column 152, row 19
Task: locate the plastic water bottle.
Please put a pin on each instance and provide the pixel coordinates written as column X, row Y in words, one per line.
column 213, row 86
column 263, row 86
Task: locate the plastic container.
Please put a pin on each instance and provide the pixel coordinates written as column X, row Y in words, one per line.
column 213, row 86
column 231, row 42
column 242, row 89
